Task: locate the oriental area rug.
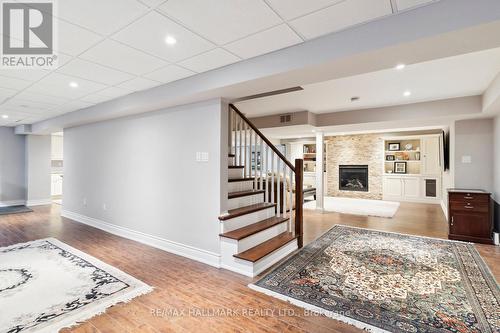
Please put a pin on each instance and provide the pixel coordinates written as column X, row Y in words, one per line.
column 387, row 282
column 46, row 285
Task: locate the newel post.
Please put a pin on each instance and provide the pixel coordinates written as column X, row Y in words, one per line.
column 299, row 201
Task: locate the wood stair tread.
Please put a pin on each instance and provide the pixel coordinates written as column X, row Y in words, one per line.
column 231, row 155
column 236, row 167
column 233, row 180
column 240, row 194
column 232, row 213
column 260, row 251
column 252, row 229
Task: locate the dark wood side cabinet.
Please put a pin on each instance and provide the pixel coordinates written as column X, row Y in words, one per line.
column 470, row 215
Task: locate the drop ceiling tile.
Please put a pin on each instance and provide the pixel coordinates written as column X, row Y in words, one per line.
column 95, row 98
column 152, row 3
column 290, row 9
column 13, row 83
column 101, row 16
column 14, row 116
column 222, row 21
column 25, row 106
column 6, row 93
column 139, row 83
column 264, row 42
column 406, row 4
column 56, row 84
column 149, row 34
column 122, row 57
column 67, row 42
column 42, row 99
column 114, row 92
column 341, row 16
column 70, row 107
column 169, row 74
column 24, row 74
column 94, row 72
column 209, row 60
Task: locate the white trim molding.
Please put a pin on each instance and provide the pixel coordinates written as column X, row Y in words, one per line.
column 12, row 203
column 39, row 202
column 206, row 257
column 445, row 209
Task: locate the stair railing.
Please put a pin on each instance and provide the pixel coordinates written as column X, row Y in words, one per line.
column 269, row 169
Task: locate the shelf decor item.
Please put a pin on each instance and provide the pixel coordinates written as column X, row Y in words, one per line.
column 417, row 156
column 390, row 157
column 408, row 146
column 399, row 167
column 394, row 146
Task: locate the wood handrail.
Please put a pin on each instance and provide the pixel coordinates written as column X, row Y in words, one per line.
column 266, row 140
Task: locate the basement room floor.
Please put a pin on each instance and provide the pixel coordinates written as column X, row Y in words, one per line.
column 184, row 284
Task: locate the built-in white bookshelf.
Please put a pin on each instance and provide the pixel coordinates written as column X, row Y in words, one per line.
column 412, row 168
column 407, row 156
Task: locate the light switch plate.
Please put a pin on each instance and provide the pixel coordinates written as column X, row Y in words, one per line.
column 466, row 159
column 201, row 156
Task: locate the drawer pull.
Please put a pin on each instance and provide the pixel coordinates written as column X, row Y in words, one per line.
column 469, row 207
column 469, row 197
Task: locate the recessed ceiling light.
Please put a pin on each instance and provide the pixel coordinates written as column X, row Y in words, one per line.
column 73, row 84
column 400, row 67
column 407, row 93
column 5, row 116
column 170, row 40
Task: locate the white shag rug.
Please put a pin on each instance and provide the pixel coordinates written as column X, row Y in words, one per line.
column 353, row 206
column 47, row 285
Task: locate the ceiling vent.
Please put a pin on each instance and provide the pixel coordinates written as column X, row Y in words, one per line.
column 286, row 118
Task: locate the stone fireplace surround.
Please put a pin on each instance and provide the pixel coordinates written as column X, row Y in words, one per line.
column 363, row 149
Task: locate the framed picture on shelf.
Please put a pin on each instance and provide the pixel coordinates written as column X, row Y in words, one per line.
column 390, row 157
column 399, row 167
column 394, row 146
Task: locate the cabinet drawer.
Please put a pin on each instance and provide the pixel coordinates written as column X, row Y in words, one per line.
column 470, row 197
column 473, row 207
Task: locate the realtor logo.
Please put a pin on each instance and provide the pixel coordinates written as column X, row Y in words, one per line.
column 28, row 35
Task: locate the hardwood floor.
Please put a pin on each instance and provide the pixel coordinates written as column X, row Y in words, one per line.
column 183, row 285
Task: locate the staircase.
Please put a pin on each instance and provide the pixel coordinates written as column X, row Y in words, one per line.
column 261, row 226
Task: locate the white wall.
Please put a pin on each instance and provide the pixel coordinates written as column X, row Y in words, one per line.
column 38, row 168
column 138, row 177
column 12, row 189
column 496, row 170
column 474, row 138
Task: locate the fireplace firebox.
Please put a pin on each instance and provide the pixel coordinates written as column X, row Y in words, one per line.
column 353, row 178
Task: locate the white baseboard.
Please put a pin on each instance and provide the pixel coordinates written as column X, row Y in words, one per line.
column 39, row 202
column 206, row 257
column 12, row 203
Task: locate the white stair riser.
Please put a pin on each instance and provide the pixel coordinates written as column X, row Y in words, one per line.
column 253, row 269
column 244, row 220
column 234, row 246
column 235, row 173
column 240, row 186
column 245, row 201
column 230, row 160
column 260, row 237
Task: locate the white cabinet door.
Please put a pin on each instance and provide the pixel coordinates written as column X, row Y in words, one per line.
column 431, row 161
column 393, row 187
column 411, row 188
